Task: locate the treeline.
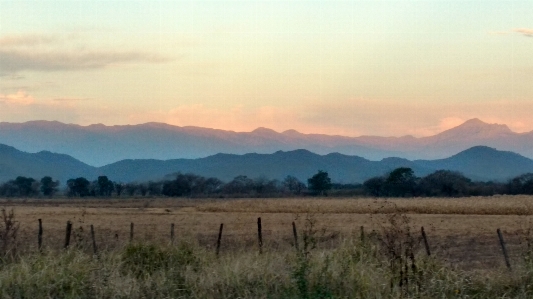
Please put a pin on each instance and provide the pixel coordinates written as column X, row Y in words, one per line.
column 181, row 185
column 400, row 182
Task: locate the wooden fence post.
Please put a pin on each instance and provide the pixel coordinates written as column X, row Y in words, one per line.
column 295, row 235
column 219, row 237
column 426, row 244
column 504, row 249
column 260, row 235
column 131, row 232
column 172, row 233
column 40, row 236
column 67, row 235
column 95, row 249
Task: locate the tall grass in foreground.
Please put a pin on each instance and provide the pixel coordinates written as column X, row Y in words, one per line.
column 356, row 269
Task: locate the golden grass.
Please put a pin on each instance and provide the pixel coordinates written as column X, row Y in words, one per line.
column 494, row 205
column 458, row 228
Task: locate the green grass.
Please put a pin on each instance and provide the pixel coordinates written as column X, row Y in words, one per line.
column 353, row 270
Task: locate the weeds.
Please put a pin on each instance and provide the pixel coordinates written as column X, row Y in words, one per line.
column 9, row 228
column 386, row 263
column 353, row 270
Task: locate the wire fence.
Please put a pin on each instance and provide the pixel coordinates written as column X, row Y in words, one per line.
column 468, row 251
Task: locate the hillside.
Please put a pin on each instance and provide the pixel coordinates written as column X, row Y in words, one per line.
column 478, row 163
column 15, row 163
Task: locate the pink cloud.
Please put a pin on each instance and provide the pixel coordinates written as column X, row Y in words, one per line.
column 21, row 106
column 524, row 31
column 17, row 99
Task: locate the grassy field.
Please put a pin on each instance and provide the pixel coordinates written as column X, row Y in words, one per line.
column 456, row 227
column 466, row 258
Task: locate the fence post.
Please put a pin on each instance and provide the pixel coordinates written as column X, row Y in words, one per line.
column 131, row 232
column 219, row 237
column 67, row 235
column 295, row 234
column 362, row 233
column 95, row 249
column 426, row 244
column 40, row 236
column 260, row 235
column 504, row 249
column 172, row 234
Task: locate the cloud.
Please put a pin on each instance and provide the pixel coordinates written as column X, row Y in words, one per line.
column 18, row 53
column 14, row 61
column 525, row 31
column 21, row 98
column 26, row 40
column 21, row 106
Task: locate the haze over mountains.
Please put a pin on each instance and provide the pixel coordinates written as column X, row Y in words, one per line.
column 478, row 163
column 99, row 145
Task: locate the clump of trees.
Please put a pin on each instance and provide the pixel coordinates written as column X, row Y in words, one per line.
column 402, row 182
column 29, row 187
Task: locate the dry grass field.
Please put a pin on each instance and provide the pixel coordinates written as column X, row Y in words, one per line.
column 332, row 261
column 460, row 230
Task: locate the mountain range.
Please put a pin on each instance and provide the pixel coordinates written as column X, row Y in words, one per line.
column 478, row 163
column 99, row 145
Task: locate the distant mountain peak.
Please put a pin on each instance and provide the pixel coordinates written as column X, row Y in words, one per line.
column 477, row 123
column 475, row 128
column 291, row 132
column 263, row 130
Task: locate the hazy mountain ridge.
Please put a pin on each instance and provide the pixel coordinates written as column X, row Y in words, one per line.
column 99, row 145
column 478, row 163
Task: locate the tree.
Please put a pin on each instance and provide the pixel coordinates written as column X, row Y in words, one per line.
column 239, row 185
column 522, row 184
column 212, row 185
column 143, row 189
column 49, row 186
column 130, row 189
column 264, row 187
column 180, row 186
column 401, row 182
column 375, row 186
column 154, row 188
column 293, row 185
column 444, row 183
column 119, row 187
column 9, row 189
column 27, row 186
column 78, row 187
column 320, row 183
column 104, row 187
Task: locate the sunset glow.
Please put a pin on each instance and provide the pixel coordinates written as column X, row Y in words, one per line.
column 391, row 68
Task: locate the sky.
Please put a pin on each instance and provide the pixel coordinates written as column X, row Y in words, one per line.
column 376, row 67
